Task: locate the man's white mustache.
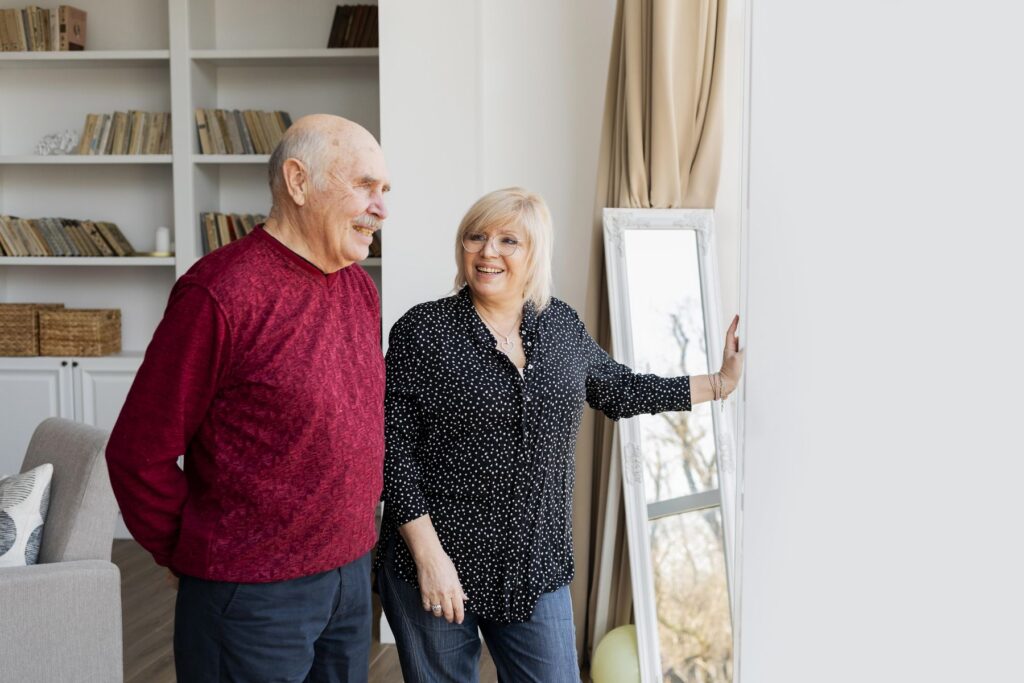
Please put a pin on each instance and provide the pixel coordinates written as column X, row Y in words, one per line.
column 368, row 222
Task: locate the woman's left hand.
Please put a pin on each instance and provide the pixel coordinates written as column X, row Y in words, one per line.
column 732, row 358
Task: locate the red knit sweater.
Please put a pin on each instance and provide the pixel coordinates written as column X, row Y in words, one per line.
column 268, row 376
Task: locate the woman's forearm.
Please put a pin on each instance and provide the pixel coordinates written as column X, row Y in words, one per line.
column 702, row 387
column 420, row 536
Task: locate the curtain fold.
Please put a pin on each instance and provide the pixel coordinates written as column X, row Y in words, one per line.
column 660, row 148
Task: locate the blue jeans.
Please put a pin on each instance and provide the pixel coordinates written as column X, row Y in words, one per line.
column 542, row 650
column 314, row 628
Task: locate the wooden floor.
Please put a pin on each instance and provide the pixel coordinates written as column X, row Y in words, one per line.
column 147, row 602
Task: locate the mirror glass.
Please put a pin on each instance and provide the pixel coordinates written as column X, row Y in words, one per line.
column 692, row 597
column 667, row 321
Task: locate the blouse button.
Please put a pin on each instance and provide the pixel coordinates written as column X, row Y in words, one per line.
column 530, row 366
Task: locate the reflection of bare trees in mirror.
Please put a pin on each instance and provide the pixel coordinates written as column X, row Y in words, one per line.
column 695, row 633
column 687, row 318
column 687, row 550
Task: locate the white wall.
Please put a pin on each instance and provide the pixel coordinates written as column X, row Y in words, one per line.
column 430, row 132
column 477, row 96
column 544, row 76
column 883, row 456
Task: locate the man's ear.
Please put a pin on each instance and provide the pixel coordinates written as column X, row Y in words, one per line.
column 296, row 180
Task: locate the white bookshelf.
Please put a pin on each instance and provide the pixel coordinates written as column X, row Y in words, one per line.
column 87, row 261
column 162, row 55
column 80, row 261
column 255, row 159
column 287, row 57
column 87, row 58
column 84, row 160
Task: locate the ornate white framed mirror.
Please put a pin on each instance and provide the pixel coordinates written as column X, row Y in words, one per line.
column 678, row 469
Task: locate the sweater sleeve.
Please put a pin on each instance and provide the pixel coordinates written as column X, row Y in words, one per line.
column 164, row 409
column 618, row 392
column 403, row 427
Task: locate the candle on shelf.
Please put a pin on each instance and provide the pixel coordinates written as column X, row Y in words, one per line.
column 163, row 241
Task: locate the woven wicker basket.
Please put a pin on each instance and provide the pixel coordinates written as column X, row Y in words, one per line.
column 79, row 332
column 19, row 328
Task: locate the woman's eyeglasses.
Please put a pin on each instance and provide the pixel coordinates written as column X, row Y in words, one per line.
column 475, row 242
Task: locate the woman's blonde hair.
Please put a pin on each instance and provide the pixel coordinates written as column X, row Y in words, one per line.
column 521, row 208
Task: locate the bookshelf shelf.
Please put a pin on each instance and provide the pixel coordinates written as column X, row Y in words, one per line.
column 85, row 159
column 261, row 159
column 288, row 57
column 86, row 261
column 126, row 58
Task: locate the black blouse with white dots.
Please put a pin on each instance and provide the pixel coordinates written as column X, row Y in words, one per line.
column 489, row 454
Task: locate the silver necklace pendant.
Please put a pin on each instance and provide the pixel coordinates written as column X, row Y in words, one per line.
column 506, row 346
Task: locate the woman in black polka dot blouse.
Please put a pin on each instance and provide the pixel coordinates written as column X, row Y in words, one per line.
column 485, row 391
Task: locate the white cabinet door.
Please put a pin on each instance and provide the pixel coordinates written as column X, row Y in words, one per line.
column 101, row 386
column 31, row 390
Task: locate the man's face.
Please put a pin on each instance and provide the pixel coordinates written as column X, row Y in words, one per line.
column 351, row 206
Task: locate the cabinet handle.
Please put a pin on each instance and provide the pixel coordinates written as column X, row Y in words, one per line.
column 74, row 363
column 63, row 363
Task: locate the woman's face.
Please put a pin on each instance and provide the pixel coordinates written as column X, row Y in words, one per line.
column 491, row 273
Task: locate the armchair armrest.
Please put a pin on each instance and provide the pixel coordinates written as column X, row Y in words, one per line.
column 61, row 622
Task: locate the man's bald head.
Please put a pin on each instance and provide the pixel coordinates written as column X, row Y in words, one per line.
column 320, row 142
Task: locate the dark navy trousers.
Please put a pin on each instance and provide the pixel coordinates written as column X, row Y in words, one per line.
column 315, row 628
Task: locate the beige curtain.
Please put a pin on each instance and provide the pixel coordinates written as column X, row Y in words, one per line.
column 660, row 148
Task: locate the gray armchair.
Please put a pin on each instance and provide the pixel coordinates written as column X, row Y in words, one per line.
column 60, row 620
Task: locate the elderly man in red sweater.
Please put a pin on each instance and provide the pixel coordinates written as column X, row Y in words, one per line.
column 266, row 373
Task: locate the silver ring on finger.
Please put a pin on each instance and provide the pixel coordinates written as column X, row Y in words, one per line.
column 436, row 609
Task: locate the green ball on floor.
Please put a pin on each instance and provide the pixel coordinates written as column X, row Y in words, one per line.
column 616, row 658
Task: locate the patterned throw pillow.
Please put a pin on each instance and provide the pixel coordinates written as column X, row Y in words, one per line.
column 24, row 500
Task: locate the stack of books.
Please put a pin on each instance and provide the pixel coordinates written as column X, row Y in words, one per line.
column 37, row 30
column 126, row 132
column 219, row 229
column 354, row 26
column 61, row 237
column 226, row 131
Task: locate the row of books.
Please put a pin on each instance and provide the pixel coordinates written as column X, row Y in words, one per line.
column 354, row 26
column 126, row 132
column 35, row 30
column 61, row 237
column 219, row 229
column 226, row 131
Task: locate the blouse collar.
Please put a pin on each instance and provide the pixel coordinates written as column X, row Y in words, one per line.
column 527, row 328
